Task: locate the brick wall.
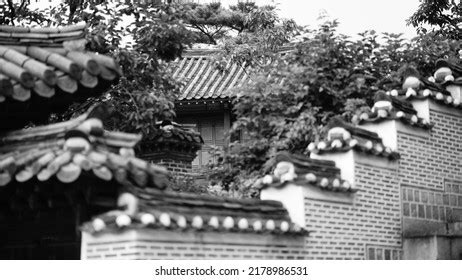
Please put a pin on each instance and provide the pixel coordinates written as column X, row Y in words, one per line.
column 444, row 206
column 431, row 170
column 177, row 245
column 165, row 250
column 368, row 228
column 175, row 166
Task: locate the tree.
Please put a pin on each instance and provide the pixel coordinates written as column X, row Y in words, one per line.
column 442, row 16
column 289, row 100
column 155, row 34
column 12, row 12
column 214, row 22
column 159, row 33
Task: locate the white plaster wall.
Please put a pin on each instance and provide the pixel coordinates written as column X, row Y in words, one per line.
column 386, row 130
column 291, row 196
column 456, row 91
column 422, row 107
column 344, row 161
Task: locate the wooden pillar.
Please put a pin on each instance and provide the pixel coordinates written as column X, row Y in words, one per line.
column 226, row 123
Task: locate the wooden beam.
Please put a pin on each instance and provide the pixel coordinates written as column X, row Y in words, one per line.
column 227, row 125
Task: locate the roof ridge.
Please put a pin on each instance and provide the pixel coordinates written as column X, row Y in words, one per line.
column 43, row 30
column 39, row 133
column 206, row 197
column 200, row 52
column 80, row 146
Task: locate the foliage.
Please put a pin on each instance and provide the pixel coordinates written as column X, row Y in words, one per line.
column 442, row 16
column 289, row 101
column 158, row 33
column 188, row 184
column 12, row 12
column 142, row 37
column 215, row 22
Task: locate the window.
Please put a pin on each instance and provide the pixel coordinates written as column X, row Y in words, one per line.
column 212, row 131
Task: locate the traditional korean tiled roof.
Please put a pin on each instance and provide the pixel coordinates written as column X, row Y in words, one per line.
column 180, row 134
column 204, row 78
column 302, row 170
column 71, row 149
column 45, row 69
column 388, row 107
column 151, row 208
column 343, row 137
column 448, row 73
column 40, row 36
column 172, row 140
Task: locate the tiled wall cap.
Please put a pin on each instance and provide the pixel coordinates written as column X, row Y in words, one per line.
column 98, row 224
column 369, row 145
column 213, row 222
column 257, row 225
column 411, row 82
column 147, row 219
column 270, row 225
column 378, row 148
column 181, row 222
column 197, row 222
column 228, row 223
column 310, row 177
column 353, row 143
column 382, row 104
column 426, row 92
column 337, row 143
column 285, row 171
column 336, row 183
column 338, row 133
column 284, row 226
column 243, row 223
column 267, row 179
column 123, row 220
column 322, row 145
column 311, row 147
column 382, row 113
column 410, row 92
column 346, row 185
column 364, row 116
column 164, row 219
column 324, row 182
column 441, row 73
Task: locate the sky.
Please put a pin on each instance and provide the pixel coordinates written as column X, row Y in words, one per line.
column 354, row 16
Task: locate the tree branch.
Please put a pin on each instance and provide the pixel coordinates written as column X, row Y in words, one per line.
column 12, row 11
column 212, row 40
column 23, row 3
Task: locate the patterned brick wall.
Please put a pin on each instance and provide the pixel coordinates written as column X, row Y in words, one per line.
column 443, row 206
column 347, row 231
column 431, row 170
column 174, row 246
column 383, row 253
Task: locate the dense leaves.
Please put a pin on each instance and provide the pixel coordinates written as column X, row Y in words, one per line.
column 442, row 17
column 216, row 23
column 142, row 37
column 289, row 101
